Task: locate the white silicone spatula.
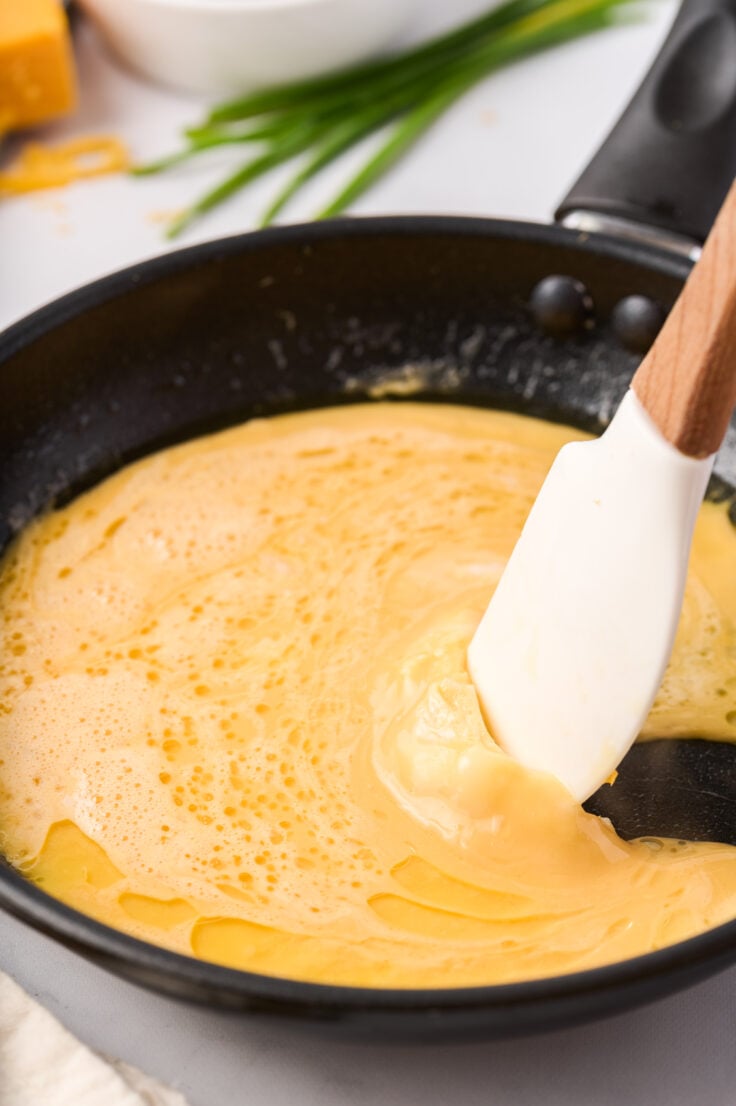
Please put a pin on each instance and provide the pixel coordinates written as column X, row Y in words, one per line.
column 569, row 656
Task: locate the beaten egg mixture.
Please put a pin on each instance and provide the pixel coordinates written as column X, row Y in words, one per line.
column 236, row 721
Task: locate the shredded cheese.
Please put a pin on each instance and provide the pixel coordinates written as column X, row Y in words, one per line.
column 39, row 166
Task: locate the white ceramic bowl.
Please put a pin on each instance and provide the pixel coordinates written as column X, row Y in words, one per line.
column 229, row 46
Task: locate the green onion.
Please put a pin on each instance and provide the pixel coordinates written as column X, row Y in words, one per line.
column 417, row 122
column 322, row 117
column 244, row 175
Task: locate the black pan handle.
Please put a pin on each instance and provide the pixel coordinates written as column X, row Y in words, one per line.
column 667, row 164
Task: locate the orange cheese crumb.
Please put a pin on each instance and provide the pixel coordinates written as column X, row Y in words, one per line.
column 37, row 79
column 40, row 166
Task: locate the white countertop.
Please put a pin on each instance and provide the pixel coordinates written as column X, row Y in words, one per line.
column 511, row 148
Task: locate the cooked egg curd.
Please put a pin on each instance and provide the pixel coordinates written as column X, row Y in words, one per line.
column 236, row 720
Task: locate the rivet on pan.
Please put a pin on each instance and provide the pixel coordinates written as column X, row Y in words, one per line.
column 561, row 305
column 636, row 322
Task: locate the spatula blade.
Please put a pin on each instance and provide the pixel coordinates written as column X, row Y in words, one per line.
column 569, row 656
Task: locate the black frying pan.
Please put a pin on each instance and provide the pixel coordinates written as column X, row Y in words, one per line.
column 293, row 318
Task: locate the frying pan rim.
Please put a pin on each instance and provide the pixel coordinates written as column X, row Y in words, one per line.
column 701, row 953
column 95, row 293
column 112, row 947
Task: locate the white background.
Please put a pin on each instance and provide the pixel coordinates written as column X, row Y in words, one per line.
column 511, row 148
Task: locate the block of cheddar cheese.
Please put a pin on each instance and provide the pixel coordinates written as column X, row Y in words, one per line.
column 37, row 80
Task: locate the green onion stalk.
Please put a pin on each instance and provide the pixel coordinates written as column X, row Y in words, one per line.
column 319, row 119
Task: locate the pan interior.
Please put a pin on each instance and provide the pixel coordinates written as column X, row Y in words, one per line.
column 334, row 321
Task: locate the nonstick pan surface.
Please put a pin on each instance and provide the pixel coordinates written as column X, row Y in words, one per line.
column 302, row 317
column 331, row 314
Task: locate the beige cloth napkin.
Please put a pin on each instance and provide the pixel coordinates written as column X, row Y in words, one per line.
column 42, row 1064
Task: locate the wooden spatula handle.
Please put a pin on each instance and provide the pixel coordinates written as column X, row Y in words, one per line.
column 687, row 381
